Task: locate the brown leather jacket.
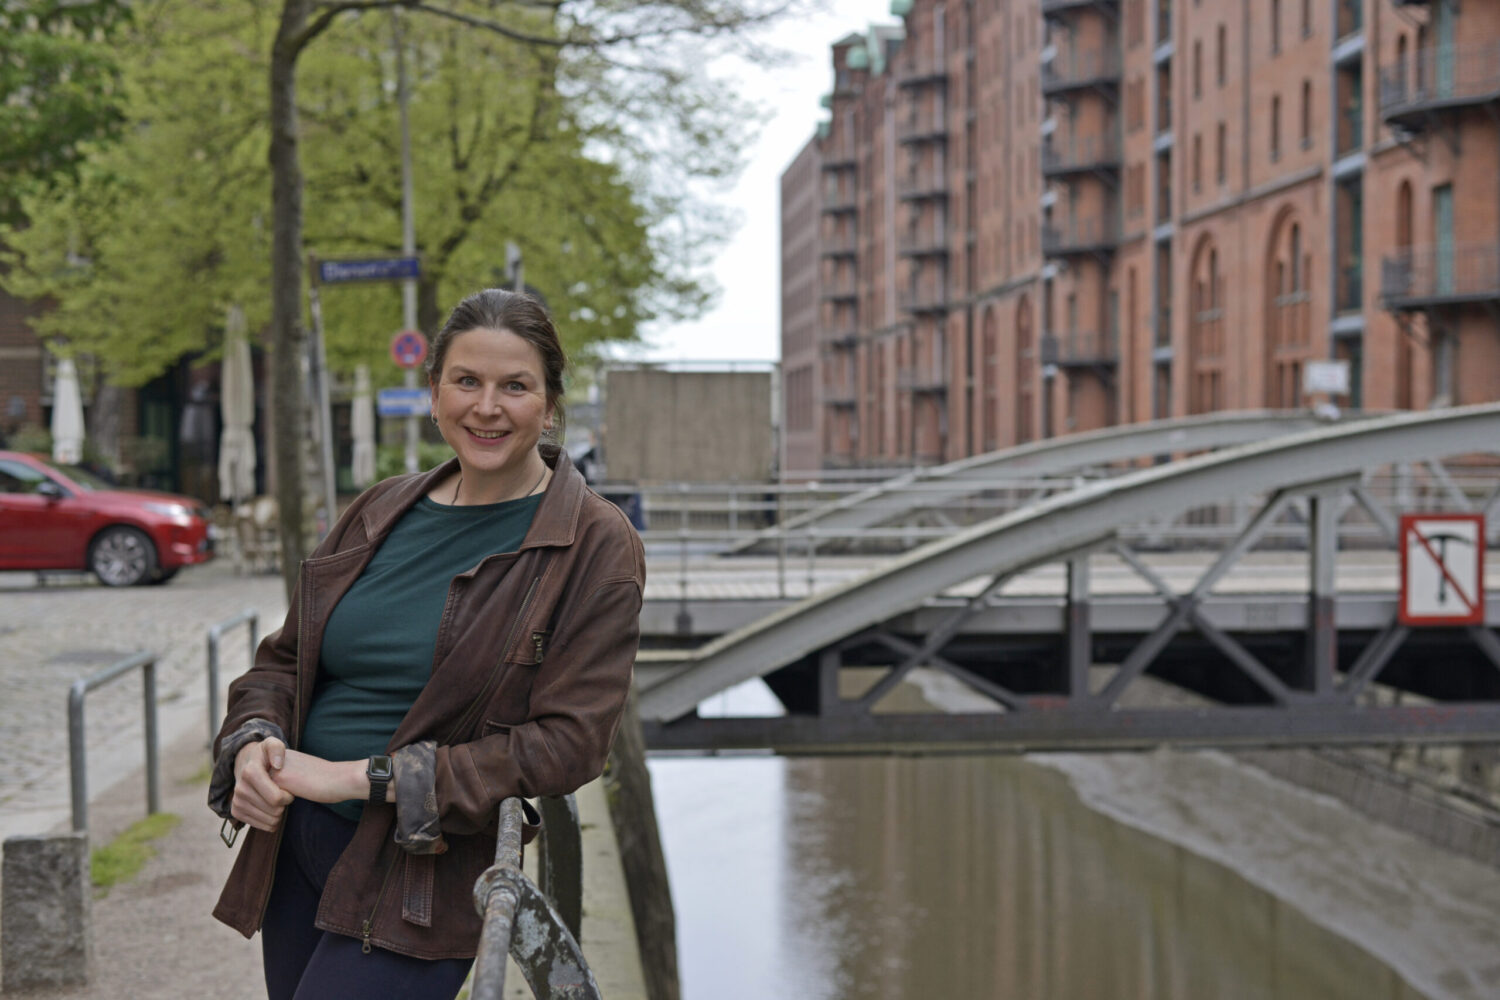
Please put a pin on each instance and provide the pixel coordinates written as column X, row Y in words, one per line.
column 530, row 673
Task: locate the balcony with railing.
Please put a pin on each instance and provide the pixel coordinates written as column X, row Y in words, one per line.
column 1059, row 8
column 925, row 297
column 1081, row 348
column 840, row 201
column 1079, row 70
column 924, row 377
column 1420, row 277
column 930, row 240
column 923, row 185
column 839, row 244
column 924, row 70
column 1441, row 78
column 841, row 289
column 1080, row 155
column 922, row 125
column 838, row 155
column 1083, row 236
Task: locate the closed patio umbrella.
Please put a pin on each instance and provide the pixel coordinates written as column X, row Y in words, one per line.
column 362, row 429
column 67, row 415
column 236, row 413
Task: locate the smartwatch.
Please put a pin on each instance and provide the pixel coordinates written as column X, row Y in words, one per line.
column 379, row 771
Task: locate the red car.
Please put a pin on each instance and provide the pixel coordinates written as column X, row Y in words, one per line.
column 61, row 517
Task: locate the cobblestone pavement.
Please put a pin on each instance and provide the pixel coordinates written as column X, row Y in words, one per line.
column 70, row 627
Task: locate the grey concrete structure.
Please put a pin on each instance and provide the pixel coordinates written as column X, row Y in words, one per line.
column 701, row 426
column 44, row 926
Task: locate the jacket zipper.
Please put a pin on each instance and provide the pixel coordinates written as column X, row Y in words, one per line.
column 484, row 693
column 364, row 945
column 536, row 640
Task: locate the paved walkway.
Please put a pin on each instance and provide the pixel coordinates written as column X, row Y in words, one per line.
column 153, row 936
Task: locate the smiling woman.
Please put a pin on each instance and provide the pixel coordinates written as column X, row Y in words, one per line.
column 496, row 378
column 461, row 636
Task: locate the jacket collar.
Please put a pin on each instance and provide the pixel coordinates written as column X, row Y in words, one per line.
column 555, row 523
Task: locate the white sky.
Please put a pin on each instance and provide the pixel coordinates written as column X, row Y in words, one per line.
column 746, row 323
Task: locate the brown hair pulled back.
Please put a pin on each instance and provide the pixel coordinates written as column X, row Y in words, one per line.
column 522, row 315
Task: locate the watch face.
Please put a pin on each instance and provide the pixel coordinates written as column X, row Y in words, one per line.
column 380, row 767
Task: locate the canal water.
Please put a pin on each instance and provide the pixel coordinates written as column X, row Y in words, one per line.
column 1058, row 877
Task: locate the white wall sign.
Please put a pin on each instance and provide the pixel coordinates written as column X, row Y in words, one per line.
column 1442, row 569
column 1326, row 376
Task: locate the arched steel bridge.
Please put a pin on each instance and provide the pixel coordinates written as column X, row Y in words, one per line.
column 924, row 490
column 834, row 658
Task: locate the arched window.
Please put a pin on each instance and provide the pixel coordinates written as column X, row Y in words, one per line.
column 1205, row 332
column 989, row 363
column 1275, row 128
column 1275, row 26
column 1403, row 215
column 1288, row 313
column 1401, row 81
column 1026, row 373
column 1306, row 119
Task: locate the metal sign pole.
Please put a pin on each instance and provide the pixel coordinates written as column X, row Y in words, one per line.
column 408, row 227
column 318, row 362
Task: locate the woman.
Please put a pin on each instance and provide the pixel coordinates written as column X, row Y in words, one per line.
column 461, row 636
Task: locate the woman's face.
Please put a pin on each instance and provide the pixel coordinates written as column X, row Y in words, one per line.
column 490, row 401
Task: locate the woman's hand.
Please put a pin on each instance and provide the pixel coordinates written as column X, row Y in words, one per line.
column 258, row 800
column 309, row 777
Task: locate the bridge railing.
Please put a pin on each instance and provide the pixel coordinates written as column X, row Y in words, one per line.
column 546, row 947
column 691, row 524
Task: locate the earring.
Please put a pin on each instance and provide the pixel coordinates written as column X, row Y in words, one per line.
column 433, row 415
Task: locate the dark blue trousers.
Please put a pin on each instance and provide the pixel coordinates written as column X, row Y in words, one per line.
column 304, row 963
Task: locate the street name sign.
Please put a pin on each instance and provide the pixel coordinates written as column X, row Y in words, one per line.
column 402, row 402
column 333, row 272
column 1442, row 569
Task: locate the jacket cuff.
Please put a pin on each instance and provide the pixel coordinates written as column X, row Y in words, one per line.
column 221, row 785
column 418, row 825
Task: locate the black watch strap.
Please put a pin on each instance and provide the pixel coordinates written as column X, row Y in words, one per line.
column 379, row 770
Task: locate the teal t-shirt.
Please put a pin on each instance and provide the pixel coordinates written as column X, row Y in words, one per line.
column 380, row 639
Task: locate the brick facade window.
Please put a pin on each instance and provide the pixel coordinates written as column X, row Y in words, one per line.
column 1275, row 128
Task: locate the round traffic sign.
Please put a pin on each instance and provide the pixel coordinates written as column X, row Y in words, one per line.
column 409, row 348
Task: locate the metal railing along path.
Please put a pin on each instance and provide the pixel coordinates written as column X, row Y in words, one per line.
column 215, row 633
column 521, row 922
column 77, row 762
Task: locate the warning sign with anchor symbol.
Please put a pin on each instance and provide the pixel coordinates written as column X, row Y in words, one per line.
column 1442, row 569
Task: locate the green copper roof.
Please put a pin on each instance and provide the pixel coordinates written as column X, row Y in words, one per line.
column 858, row 58
column 900, row 8
column 826, row 101
column 825, row 128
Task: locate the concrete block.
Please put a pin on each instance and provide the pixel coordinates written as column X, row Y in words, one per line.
column 44, row 915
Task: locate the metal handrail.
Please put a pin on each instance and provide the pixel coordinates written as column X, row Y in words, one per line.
column 77, row 756
column 215, row 633
column 546, row 951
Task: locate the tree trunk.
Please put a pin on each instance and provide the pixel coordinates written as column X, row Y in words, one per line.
column 104, row 422
column 633, row 813
column 288, row 338
column 429, row 311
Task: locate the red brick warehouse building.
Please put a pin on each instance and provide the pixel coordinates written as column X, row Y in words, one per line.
column 1025, row 218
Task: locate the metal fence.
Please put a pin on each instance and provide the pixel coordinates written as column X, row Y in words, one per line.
column 77, row 758
column 247, row 617
column 521, row 921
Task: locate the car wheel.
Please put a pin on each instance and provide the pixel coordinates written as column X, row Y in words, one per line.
column 122, row 557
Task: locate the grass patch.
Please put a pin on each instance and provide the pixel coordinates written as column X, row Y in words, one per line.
column 200, row 776
column 121, row 859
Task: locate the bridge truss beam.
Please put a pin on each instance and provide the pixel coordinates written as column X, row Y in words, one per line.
column 803, row 651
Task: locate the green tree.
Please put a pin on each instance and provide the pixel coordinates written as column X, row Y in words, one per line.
column 59, row 90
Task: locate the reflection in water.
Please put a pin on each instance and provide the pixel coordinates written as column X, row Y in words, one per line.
column 961, row 877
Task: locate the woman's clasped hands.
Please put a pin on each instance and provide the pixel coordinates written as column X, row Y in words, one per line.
column 267, row 776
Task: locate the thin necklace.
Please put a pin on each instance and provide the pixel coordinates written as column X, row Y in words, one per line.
column 459, row 485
